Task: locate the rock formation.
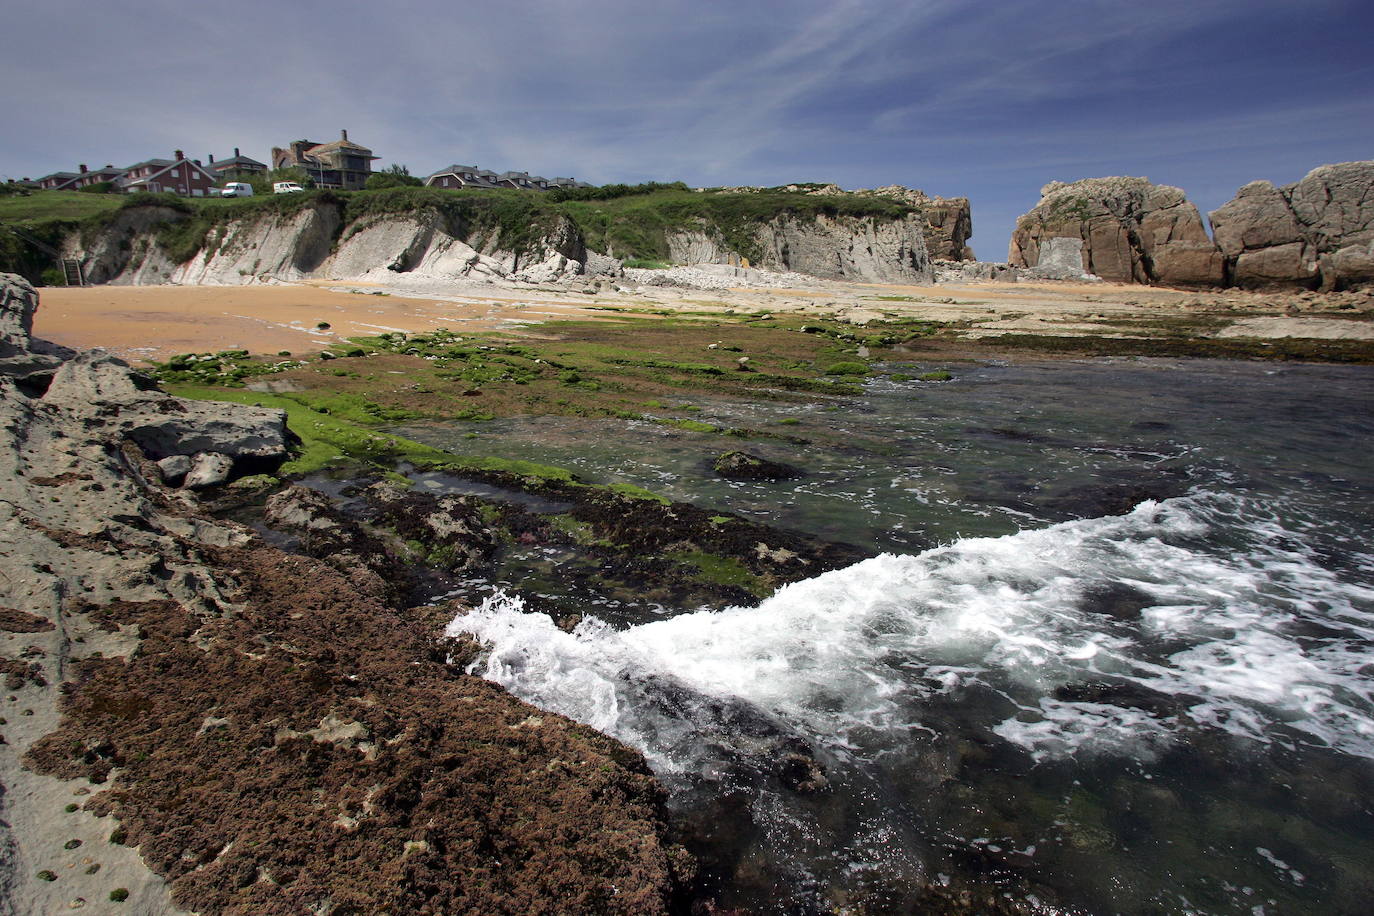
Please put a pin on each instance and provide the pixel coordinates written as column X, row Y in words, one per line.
column 855, row 248
column 200, row 722
column 1316, row 232
column 1132, row 232
column 427, row 242
column 948, row 220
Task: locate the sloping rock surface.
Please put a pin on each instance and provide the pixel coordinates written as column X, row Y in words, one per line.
column 1132, row 232
column 215, row 726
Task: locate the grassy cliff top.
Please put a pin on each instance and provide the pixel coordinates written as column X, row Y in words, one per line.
column 627, row 221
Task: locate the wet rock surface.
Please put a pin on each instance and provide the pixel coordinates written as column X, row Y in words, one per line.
column 738, row 465
column 214, row 725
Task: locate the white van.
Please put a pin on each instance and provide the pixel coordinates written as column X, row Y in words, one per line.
column 286, row 187
column 237, row 189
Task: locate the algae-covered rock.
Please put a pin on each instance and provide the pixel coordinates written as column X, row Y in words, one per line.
column 738, row 465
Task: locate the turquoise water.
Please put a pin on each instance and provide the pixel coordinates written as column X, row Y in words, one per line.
column 1169, row 710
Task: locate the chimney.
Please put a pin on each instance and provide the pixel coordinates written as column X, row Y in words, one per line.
column 83, row 168
column 179, row 156
column 212, row 158
column 344, row 135
column 236, row 152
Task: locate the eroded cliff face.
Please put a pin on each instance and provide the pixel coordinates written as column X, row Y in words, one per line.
column 315, row 242
column 1318, row 232
column 212, row 725
column 860, row 249
column 1132, row 232
column 947, row 221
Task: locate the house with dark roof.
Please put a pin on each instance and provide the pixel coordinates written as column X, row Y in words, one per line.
column 89, row 177
column 236, row 166
column 469, row 176
column 461, row 176
column 178, row 175
column 341, row 164
column 83, row 177
column 59, row 181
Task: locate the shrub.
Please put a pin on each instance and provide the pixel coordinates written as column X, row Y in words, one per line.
column 119, row 894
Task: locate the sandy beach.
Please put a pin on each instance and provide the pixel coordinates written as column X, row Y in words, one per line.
column 144, row 323
column 147, row 323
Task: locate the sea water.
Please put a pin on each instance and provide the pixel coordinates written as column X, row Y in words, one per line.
column 1169, row 710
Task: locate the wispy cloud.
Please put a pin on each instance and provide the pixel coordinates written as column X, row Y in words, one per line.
column 987, row 99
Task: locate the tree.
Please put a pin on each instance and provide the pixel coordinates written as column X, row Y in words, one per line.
column 393, row 176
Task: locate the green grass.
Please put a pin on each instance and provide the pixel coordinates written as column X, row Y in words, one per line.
column 42, row 206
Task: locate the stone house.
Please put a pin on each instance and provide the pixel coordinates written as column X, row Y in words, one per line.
column 342, row 164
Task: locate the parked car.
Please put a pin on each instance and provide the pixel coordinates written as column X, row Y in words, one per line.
column 237, row 189
column 286, row 187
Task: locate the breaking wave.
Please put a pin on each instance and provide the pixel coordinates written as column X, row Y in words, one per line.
column 1109, row 635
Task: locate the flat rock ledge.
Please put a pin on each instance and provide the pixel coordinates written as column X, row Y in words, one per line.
column 199, row 722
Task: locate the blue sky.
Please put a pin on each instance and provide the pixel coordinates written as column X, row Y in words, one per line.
column 988, row 100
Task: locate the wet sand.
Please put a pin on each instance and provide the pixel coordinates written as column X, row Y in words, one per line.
column 143, row 323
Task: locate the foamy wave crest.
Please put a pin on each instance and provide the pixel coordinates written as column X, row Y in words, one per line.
column 1113, row 634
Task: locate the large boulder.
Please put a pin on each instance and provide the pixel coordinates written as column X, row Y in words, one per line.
column 105, row 394
column 18, row 302
column 1318, row 231
column 1132, row 231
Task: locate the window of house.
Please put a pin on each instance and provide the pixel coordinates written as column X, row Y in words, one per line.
column 175, row 173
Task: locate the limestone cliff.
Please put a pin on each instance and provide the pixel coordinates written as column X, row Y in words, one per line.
column 1132, row 232
column 859, row 248
column 442, row 237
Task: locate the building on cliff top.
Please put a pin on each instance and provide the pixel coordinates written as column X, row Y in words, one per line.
column 178, row 175
column 236, row 166
column 470, row 176
column 342, row 164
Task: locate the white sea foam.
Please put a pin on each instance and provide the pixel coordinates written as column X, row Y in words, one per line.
column 848, row 657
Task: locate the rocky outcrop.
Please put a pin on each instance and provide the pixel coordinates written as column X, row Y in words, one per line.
column 181, row 693
column 1316, row 232
column 856, row 248
column 948, row 220
column 1132, row 231
column 737, row 465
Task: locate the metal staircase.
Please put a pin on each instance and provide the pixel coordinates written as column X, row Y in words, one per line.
column 72, row 272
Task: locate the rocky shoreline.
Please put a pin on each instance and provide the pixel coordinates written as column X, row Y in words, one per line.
column 211, row 716
column 198, row 721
